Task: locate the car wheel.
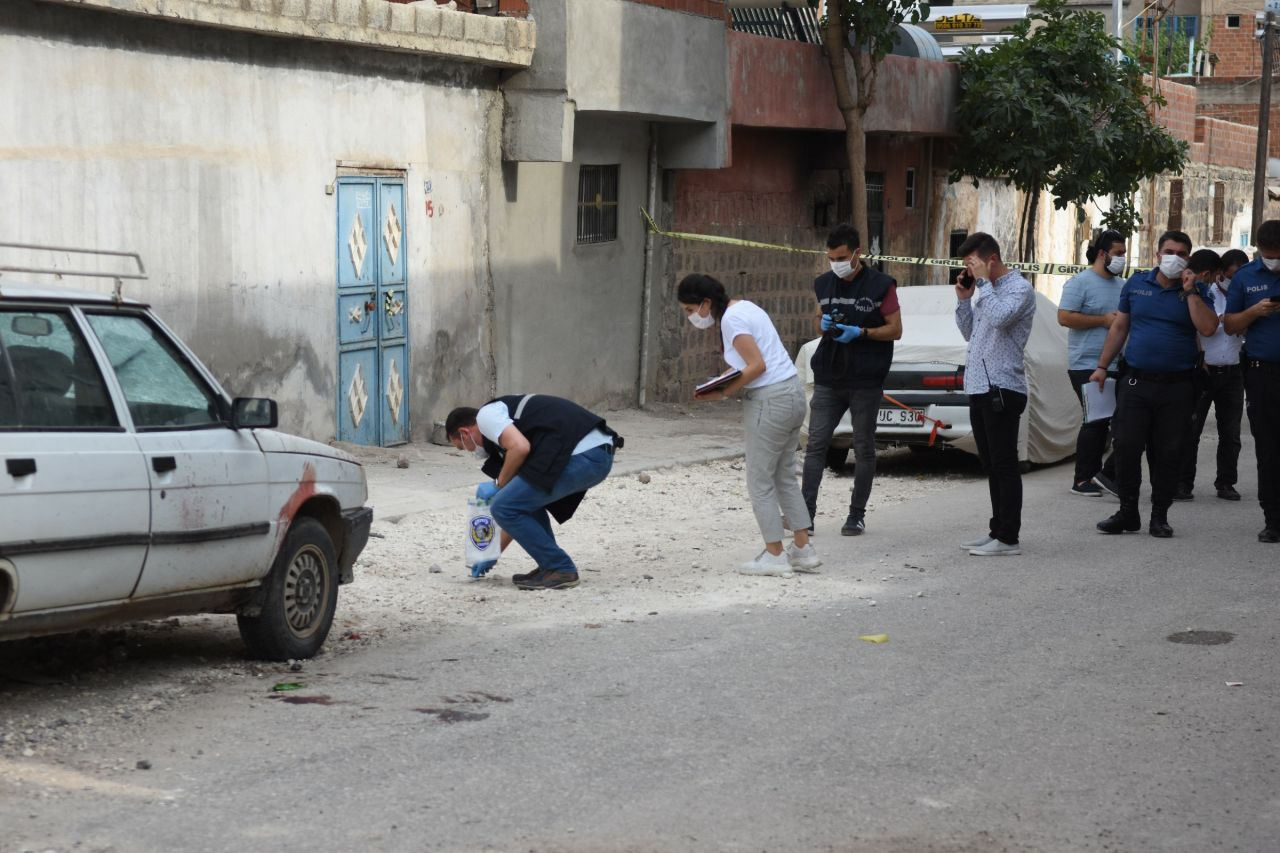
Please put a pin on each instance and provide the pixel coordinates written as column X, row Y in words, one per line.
column 837, row 457
column 301, row 595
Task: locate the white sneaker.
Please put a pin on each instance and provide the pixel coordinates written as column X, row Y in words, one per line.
column 976, row 543
column 804, row 559
column 775, row 565
column 995, row 548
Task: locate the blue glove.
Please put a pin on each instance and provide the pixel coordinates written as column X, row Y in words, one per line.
column 827, row 322
column 847, row 333
column 486, row 491
column 482, row 568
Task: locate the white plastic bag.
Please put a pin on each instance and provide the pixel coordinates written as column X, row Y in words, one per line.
column 484, row 537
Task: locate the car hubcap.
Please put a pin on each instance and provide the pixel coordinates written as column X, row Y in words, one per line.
column 305, row 590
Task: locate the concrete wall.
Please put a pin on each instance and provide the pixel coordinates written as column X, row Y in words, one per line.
column 569, row 315
column 210, row 152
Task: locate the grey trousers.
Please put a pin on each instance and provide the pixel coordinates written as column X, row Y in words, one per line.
column 772, row 417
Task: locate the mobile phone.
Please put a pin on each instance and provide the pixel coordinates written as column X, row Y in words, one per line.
column 966, row 280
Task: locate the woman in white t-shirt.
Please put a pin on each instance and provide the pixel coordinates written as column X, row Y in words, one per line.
column 772, row 415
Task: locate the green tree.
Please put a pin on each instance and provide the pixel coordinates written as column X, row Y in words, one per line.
column 1051, row 109
column 870, row 25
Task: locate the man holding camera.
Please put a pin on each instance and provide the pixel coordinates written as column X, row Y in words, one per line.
column 1253, row 310
column 997, row 328
column 859, row 318
column 1161, row 311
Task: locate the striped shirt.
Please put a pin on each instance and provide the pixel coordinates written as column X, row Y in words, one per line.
column 997, row 322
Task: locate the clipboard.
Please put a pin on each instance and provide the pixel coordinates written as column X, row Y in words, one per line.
column 717, row 383
column 1099, row 404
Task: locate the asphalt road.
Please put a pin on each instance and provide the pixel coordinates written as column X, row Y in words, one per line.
column 1031, row 703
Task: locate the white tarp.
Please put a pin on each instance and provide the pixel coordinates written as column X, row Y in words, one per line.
column 929, row 335
column 1053, row 413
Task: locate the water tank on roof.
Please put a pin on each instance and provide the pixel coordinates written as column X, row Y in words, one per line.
column 915, row 42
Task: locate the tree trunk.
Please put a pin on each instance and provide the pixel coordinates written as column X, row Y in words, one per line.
column 834, row 38
column 1032, row 218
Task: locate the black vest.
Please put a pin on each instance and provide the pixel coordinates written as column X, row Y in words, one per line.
column 553, row 426
column 862, row 363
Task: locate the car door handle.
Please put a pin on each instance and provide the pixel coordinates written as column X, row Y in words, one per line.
column 20, row 467
column 163, row 464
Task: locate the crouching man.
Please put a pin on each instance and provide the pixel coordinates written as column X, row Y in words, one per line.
column 543, row 453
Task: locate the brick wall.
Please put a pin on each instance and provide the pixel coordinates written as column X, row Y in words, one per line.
column 705, row 8
column 512, row 8
column 1239, row 53
column 1178, row 115
column 1224, row 143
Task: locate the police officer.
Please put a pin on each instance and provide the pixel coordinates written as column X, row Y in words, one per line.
column 1253, row 309
column 859, row 318
column 1160, row 312
column 1220, row 386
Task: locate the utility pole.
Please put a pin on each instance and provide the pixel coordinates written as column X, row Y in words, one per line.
column 1264, row 121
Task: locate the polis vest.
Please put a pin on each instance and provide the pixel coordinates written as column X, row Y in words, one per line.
column 861, row 363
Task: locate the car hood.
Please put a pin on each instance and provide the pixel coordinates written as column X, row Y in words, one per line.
column 282, row 442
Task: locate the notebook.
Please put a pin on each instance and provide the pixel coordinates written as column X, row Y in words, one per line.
column 717, row 383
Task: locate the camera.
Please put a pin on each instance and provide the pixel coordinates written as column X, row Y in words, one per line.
column 836, row 317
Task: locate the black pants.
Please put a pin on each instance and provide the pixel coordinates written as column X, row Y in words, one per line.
column 1223, row 389
column 1152, row 416
column 996, row 433
column 1262, row 385
column 1091, row 443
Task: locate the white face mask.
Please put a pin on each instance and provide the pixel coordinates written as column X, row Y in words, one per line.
column 1115, row 265
column 1272, row 264
column 842, row 269
column 700, row 322
column 481, row 453
column 1172, row 265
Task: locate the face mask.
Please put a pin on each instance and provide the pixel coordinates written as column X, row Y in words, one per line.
column 1172, row 265
column 700, row 322
column 1115, row 265
column 481, row 453
column 1272, row 264
column 842, row 269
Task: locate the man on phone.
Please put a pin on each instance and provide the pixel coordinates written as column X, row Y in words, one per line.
column 997, row 328
column 1253, row 310
column 859, row 319
column 1160, row 312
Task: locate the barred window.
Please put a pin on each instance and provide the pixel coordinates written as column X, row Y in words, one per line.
column 598, row 204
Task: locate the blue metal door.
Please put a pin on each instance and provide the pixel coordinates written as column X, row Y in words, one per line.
column 373, row 312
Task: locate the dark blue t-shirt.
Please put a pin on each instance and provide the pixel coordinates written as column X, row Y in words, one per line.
column 1162, row 337
column 1251, row 284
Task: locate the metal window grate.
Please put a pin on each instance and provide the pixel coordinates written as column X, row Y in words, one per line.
column 1219, row 211
column 1175, row 205
column 597, row 204
column 789, row 24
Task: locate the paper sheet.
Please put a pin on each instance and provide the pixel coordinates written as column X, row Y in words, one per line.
column 1099, row 404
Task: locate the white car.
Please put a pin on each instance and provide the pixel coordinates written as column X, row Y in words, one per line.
column 927, row 379
column 135, row 488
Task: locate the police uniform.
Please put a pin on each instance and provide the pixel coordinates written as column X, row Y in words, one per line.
column 1156, row 392
column 1250, row 285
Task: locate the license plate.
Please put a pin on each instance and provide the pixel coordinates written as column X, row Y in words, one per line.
column 898, row 417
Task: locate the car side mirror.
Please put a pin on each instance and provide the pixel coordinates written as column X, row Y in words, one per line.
column 254, row 413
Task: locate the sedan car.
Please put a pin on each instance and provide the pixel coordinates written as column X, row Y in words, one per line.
column 924, row 402
column 134, row 487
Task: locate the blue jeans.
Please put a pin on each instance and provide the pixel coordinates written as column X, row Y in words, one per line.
column 521, row 509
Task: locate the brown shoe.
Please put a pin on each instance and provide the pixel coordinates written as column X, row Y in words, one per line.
column 547, row 579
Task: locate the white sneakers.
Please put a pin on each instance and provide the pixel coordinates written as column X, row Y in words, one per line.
column 976, row 543
column 773, row 565
column 804, row 559
column 995, row 548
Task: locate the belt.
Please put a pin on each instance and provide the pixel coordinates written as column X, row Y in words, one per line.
column 1222, row 368
column 1161, row 376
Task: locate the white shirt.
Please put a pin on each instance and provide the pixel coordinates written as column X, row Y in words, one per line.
column 1220, row 348
column 494, row 419
column 747, row 318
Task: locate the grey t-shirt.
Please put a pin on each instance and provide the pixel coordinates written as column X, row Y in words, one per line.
column 1089, row 293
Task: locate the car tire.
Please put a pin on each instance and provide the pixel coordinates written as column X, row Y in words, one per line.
column 837, row 457
column 300, row 597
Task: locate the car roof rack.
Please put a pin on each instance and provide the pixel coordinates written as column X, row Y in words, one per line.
column 118, row 277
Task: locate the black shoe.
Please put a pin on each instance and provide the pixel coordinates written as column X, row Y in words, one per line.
column 1270, row 535
column 1120, row 523
column 1160, row 529
column 1183, row 494
column 547, row 579
column 854, row 525
column 1087, row 489
column 1106, row 484
column 527, row 576
column 1228, row 493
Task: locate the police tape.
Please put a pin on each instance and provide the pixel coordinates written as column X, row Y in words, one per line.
column 952, row 263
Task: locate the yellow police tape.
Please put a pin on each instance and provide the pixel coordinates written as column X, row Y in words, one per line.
column 1047, row 269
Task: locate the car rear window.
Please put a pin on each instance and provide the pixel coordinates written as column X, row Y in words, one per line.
column 48, row 376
